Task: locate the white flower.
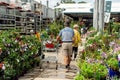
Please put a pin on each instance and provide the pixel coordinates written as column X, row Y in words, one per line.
column 15, row 49
column 3, row 40
column 18, row 60
column 32, row 53
column 100, row 40
column 20, row 36
column 111, row 44
column 8, row 52
column 99, row 49
column 3, row 67
column 25, row 49
column 16, row 41
column 118, row 57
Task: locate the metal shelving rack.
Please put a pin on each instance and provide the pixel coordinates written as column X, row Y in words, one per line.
column 7, row 21
column 13, row 18
column 30, row 22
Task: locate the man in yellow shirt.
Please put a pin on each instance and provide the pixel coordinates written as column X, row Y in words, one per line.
column 77, row 40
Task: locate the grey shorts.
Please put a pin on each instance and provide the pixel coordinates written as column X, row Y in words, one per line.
column 67, row 49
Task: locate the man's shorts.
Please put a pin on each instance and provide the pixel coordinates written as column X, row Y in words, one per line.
column 67, row 49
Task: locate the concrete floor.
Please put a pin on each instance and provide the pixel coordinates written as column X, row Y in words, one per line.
column 50, row 73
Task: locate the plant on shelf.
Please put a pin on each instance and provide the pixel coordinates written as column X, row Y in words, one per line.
column 113, row 64
column 98, row 59
column 19, row 53
column 54, row 28
column 92, row 70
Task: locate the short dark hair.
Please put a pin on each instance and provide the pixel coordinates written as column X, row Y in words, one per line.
column 67, row 22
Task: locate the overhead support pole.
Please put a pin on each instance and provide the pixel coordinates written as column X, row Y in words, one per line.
column 47, row 8
column 96, row 15
column 40, row 15
column 101, row 15
column 35, row 17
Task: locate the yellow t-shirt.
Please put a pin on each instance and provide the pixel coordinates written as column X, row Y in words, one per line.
column 77, row 38
column 38, row 36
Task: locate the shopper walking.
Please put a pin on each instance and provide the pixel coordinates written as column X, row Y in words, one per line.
column 83, row 28
column 77, row 40
column 66, row 35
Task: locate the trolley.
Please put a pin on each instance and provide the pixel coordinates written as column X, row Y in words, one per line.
column 49, row 47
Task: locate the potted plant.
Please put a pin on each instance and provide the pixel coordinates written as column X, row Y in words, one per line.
column 113, row 67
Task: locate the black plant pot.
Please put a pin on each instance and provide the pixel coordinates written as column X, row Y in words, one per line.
column 1, row 77
column 15, row 77
column 103, row 78
column 37, row 64
column 22, row 74
column 1, row 72
column 25, row 71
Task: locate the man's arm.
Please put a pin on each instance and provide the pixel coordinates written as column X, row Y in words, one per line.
column 58, row 38
column 59, row 35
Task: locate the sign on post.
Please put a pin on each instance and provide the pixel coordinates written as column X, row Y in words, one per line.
column 107, row 17
column 107, row 11
column 108, row 6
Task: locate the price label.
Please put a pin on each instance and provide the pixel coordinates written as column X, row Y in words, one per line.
column 107, row 17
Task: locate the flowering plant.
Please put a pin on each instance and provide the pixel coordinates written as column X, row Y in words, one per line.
column 19, row 52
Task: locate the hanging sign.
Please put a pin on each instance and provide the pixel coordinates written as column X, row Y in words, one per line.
column 107, row 11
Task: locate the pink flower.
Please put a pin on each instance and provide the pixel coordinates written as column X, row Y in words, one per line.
column 104, row 55
column 112, row 44
column 117, row 49
column 119, row 57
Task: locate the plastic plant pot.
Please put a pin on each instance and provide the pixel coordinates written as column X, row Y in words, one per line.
column 113, row 73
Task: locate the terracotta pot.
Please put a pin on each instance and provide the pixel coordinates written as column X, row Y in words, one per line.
column 1, row 65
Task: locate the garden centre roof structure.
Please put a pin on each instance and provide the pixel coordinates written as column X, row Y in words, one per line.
column 85, row 9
